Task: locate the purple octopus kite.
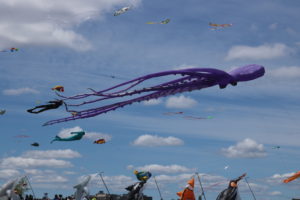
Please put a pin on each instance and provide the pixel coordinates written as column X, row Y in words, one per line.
column 192, row 79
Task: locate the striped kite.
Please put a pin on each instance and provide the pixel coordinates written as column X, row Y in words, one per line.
column 100, row 141
column 58, row 88
column 13, row 49
column 219, row 26
column 162, row 22
column 121, row 11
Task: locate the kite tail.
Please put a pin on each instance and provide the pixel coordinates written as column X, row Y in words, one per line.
column 57, row 138
column 105, row 109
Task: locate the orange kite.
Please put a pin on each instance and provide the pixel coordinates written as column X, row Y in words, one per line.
column 188, row 192
column 58, row 88
column 295, row 176
column 100, row 141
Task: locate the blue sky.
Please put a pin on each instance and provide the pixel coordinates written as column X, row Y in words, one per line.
column 77, row 43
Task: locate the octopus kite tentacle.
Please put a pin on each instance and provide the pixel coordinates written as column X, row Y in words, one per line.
column 193, row 79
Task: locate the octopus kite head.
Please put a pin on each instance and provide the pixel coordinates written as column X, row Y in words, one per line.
column 248, row 72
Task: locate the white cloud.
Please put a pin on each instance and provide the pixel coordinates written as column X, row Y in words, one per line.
column 171, row 179
column 253, row 27
column 291, row 31
column 184, row 66
column 163, row 168
column 60, row 153
column 64, row 133
column 49, row 178
column 45, row 176
column 182, row 178
column 19, row 91
column 273, row 26
column 152, row 102
column 180, row 102
column 278, row 178
column 266, row 51
column 154, row 140
column 35, row 171
column 9, row 173
column 51, row 22
column 116, row 183
column 69, row 172
column 247, row 148
column 286, row 72
column 20, row 162
column 275, row 193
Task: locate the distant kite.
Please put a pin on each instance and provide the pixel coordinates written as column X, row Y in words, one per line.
column 187, row 117
column 121, row 11
column 219, row 26
column 2, row 112
column 191, row 79
column 293, row 177
column 173, row 113
column 13, row 49
column 111, row 76
column 100, row 141
column 58, row 88
column 22, row 136
column 276, row 147
column 192, row 117
column 49, row 106
column 162, row 22
column 74, row 136
column 35, row 144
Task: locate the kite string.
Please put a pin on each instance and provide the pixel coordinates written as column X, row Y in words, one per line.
column 250, row 188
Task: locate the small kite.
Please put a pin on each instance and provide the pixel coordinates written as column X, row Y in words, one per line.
column 51, row 105
column 142, row 176
column 173, row 113
column 74, row 136
column 188, row 80
column 74, row 113
column 219, row 26
column 100, row 141
column 121, row 11
column 35, row 144
column 226, row 167
column 293, row 177
column 13, row 49
column 58, row 88
column 111, row 76
column 162, row 22
column 22, row 136
column 276, row 147
column 192, row 117
column 2, row 112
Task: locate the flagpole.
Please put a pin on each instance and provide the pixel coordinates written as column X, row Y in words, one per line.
column 201, row 185
column 105, row 185
column 250, row 188
column 30, row 187
column 158, row 188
